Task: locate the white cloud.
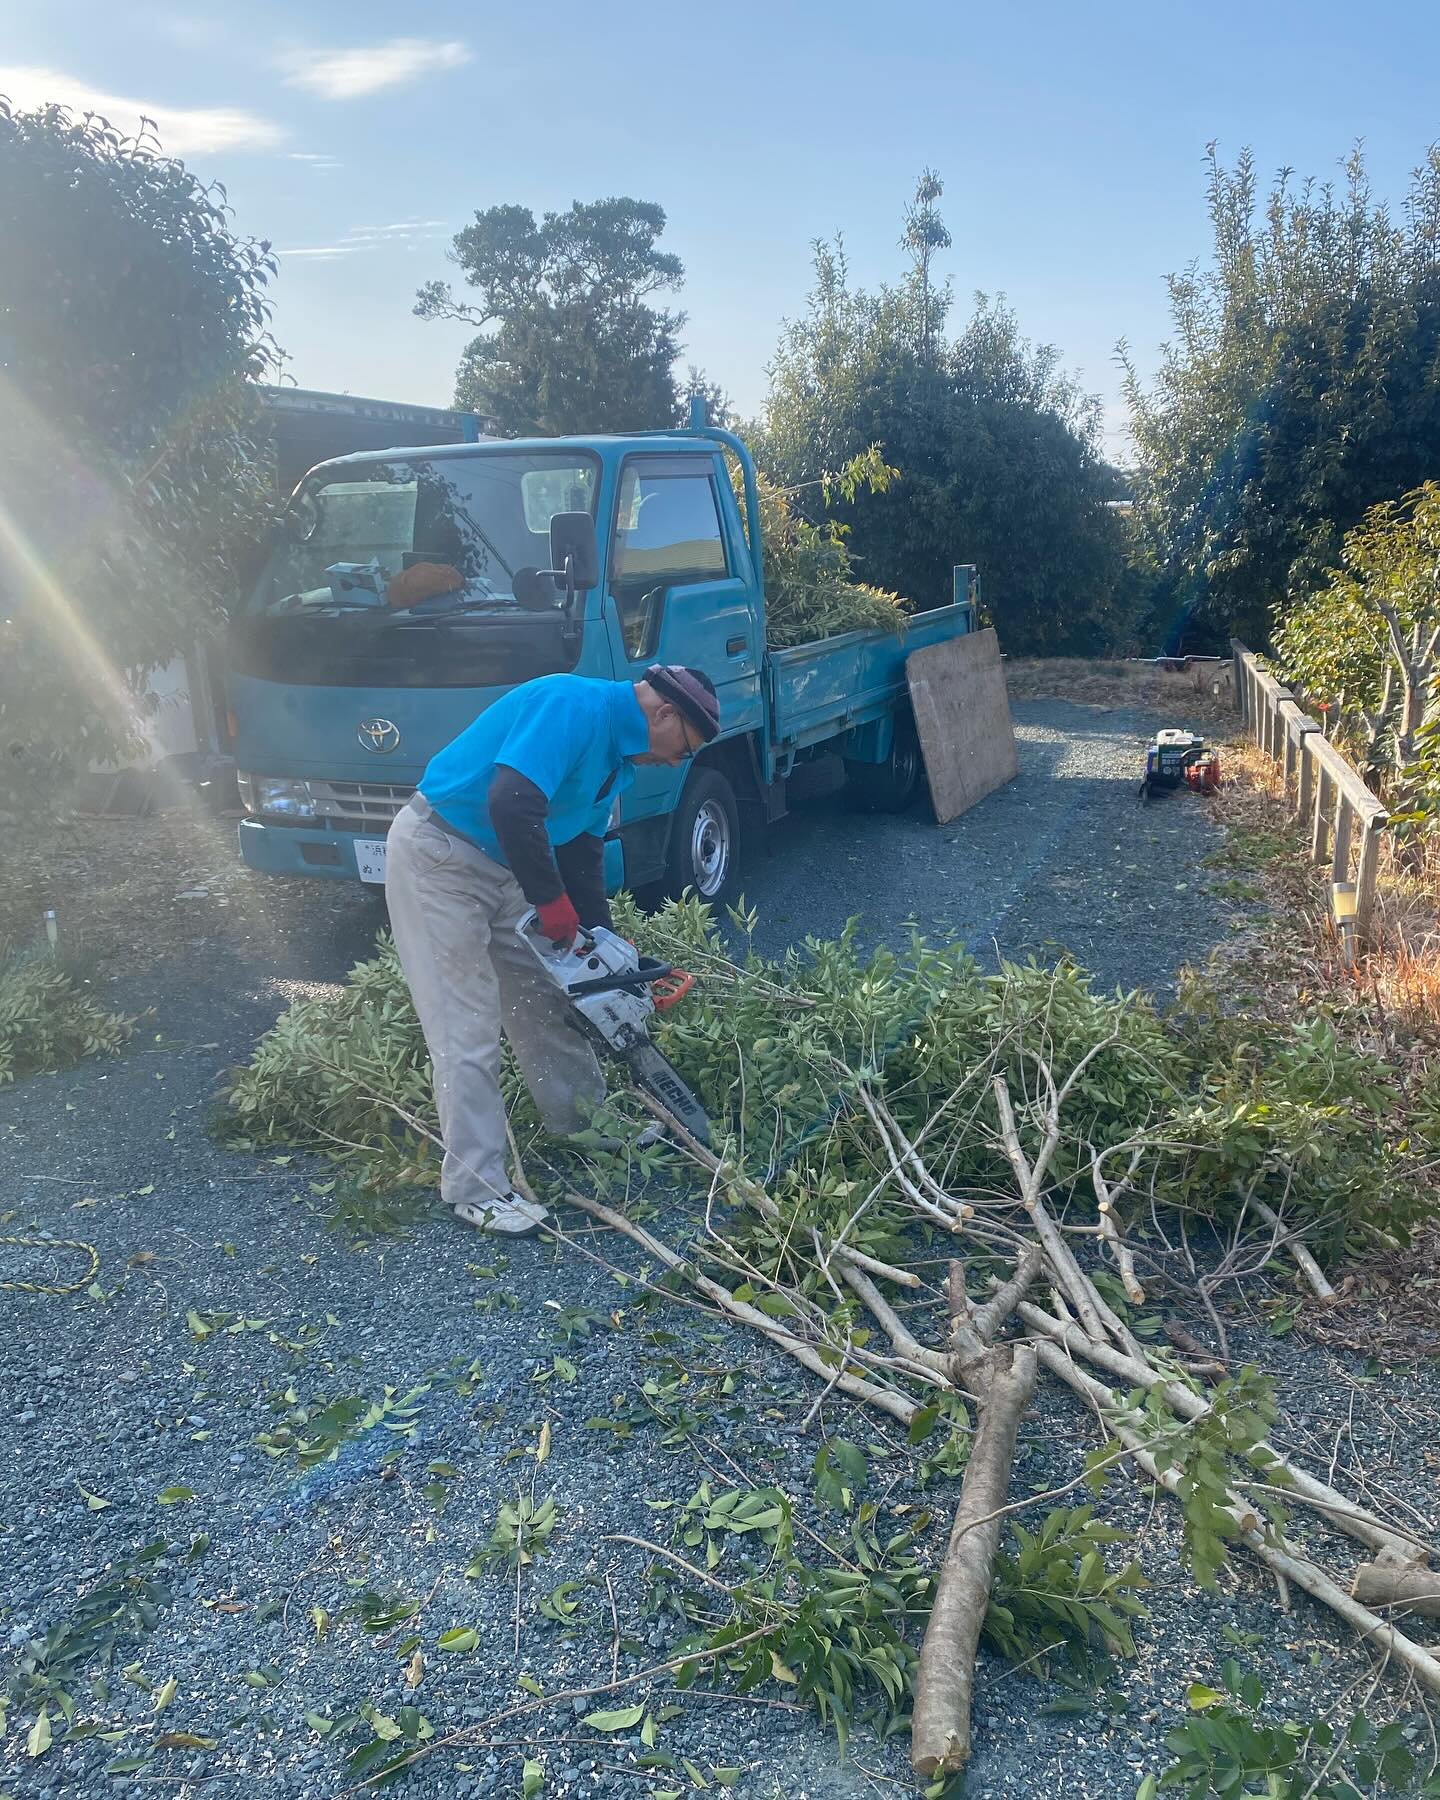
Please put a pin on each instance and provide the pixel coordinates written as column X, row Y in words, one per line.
column 347, row 74
column 182, row 129
column 405, row 229
column 316, row 161
column 361, row 238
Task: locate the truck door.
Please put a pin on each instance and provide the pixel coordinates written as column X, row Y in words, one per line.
column 677, row 592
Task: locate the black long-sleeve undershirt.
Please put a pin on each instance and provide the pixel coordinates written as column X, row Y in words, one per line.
column 518, row 810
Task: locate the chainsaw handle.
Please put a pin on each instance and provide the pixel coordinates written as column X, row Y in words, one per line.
column 647, row 972
column 674, row 985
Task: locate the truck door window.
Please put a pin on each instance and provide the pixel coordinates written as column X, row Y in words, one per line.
column 667, row 534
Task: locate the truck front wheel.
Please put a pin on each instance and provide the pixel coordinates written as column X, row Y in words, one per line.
column 888, row 786
column 704, row 839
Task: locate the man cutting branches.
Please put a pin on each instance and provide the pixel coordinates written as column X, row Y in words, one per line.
column 513, row 814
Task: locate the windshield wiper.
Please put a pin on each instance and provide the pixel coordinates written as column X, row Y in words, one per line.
column 440, row 614
column 294, row 603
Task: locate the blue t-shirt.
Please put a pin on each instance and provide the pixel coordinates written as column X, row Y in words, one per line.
column 568, row 734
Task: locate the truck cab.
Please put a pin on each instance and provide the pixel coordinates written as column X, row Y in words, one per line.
column 338, row 697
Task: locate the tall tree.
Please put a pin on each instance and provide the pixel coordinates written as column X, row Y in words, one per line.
column 133, row 465
column 998, row 452
column 568, row 341
column 925, row 235
column 1300, row 388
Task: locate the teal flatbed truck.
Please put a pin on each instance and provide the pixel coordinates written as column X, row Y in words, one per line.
column 596, row 555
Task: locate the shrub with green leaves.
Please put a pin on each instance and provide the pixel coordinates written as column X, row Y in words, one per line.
column 810, row 588
column 341, row 1073
column 778, row 1048
column 1368, row 642
column 47, row 1023
column 1299, row 1117
column 133, row 447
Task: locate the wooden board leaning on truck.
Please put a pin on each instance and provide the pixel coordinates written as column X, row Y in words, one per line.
column 962, row 716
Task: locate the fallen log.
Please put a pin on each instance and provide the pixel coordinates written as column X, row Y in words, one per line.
column 940, row 1723
column 1407, row 1585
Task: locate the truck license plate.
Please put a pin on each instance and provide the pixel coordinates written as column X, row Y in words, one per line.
column 370, row 859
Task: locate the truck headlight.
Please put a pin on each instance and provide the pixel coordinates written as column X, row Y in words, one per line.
column 273, row 798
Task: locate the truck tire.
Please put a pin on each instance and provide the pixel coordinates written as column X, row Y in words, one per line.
column 892, row 785
column 704, row 840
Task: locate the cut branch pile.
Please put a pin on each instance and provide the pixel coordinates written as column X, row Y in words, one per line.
column 882, row 1118
column 825, row 1299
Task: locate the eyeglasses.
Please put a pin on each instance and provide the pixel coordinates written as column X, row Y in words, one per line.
column 690, row 749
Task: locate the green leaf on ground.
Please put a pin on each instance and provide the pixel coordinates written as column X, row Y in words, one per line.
column 621, row 1718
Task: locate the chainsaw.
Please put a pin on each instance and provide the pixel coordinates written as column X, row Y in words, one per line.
column 613, row 991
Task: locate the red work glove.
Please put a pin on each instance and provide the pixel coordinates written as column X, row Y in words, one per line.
column 559, row 921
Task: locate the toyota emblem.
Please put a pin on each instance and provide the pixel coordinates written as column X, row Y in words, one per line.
column 379, row 735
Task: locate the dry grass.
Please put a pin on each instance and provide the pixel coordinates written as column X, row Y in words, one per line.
column 1399, row 974
column 1291, row 967
column 1408, row 981
column 1183, row 692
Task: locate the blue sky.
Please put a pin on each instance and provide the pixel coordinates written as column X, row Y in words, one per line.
column 360, row 137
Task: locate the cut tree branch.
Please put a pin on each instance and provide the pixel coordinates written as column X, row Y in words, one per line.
column 940, row 1724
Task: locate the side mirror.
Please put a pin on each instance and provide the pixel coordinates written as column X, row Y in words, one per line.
column 534, row 591
column 574, row 551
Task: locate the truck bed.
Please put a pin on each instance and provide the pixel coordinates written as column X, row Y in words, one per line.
column 818, row 690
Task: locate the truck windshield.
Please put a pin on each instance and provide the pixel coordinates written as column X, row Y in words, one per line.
column 485, row 516
column 328, row 608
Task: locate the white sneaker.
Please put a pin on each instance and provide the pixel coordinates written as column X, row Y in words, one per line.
column 511, row 1216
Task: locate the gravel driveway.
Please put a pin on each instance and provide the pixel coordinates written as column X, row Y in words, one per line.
column 222, row 1301
column 1066, row 858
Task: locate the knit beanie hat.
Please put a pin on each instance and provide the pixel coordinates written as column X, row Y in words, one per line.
column 692, row 691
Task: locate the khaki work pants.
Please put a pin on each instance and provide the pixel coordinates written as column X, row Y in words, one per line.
column 453, row 911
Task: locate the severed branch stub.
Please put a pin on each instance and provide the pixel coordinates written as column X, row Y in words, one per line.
column 1295, row 1244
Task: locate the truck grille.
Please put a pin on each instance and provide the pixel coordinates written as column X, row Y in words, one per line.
column 358, row 804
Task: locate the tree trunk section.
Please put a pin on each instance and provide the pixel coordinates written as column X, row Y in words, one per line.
column 1408, row 1585
column 940, row 1727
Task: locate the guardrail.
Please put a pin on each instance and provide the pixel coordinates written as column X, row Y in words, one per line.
column 1346, row 820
